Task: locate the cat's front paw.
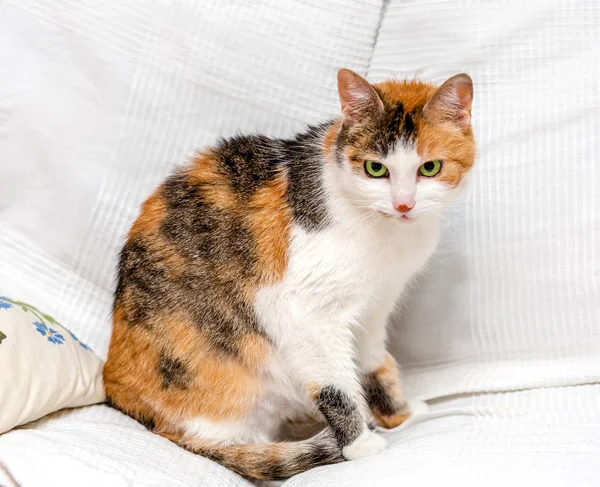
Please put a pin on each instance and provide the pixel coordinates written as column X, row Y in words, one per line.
column 368, row 443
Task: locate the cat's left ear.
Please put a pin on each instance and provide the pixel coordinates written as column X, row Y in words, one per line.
column 452, row 102
column 359, row 99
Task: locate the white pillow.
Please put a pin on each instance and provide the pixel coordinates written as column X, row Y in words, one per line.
column 43, row 366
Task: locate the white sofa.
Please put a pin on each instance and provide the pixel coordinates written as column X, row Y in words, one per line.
column 98, row 101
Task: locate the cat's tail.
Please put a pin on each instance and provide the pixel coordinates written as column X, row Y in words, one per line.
column 268, row 461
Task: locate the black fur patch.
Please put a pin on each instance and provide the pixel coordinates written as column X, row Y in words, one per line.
column 342, row 414
column 396, row 126
column 304, row 162
column 381, row 135
column 316, row 456
column 173, row 372
column 143, row 277
column 377, row 397
column 200, row 231
column 248, row 162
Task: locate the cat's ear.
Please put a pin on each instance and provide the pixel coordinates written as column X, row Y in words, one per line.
column 359, row 99
column 452, row 102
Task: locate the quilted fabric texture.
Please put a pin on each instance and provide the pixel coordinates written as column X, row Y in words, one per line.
column 98, row 100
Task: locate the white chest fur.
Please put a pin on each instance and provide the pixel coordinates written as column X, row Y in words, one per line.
column 340, row 282
column 343, row 274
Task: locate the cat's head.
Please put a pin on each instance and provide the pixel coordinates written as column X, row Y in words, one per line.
column 403, row 148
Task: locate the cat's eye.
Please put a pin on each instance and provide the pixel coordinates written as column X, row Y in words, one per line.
column 376, row 169
column 430, row 168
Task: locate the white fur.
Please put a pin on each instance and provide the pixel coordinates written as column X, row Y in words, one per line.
column 368, row 443
column 228, row 432
column 327, row 317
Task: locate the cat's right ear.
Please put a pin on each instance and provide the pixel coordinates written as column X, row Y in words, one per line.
column 359, row 99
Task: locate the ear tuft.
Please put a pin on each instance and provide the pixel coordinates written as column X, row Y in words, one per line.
column 452, row 101
column 358, row 98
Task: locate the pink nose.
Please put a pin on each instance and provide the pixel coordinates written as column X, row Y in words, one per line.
column 404, row 208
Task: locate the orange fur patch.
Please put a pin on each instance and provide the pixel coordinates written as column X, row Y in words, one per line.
column 314, row 389
column 220, row 388
column 392, row 421
column 148, row 226
column 449, row 144
column 151, row 217
column 330, row 138
column 270, row 222
column 411, row 93
column 255, row 351
column 215, row 187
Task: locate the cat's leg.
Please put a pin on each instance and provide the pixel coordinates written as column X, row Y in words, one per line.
column 380, row 375
column 384, row 394
column 322, row 360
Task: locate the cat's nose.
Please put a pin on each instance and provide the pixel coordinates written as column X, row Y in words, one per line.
column 404, row 207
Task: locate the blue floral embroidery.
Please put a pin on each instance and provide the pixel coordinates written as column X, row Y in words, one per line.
column 4, row 303
column 43, row 324
column 52, row 335
column 85, row 347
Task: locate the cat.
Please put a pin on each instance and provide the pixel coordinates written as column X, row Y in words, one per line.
column 255, row 286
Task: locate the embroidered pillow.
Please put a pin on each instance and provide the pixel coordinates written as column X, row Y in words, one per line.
column 43, row 366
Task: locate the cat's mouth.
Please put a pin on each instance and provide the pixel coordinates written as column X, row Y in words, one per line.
column 407, row 219
column 404, row 218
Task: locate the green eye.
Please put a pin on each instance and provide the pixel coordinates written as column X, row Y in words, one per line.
column 430, row 168
column 376, row 169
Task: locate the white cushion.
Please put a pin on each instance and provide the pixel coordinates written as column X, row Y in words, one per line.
column 43, row 366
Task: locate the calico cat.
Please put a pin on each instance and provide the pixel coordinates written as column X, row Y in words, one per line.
column 255, row 286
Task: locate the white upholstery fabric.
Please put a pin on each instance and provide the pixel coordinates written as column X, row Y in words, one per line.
column 100, row 447
column 99, row 99
column 541, row 437
column 548, row 437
